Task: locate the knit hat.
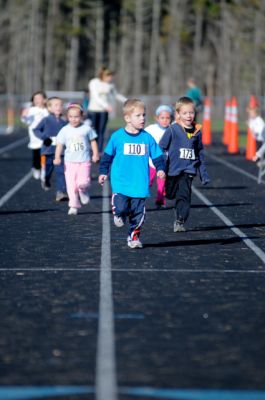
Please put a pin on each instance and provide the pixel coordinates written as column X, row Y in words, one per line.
column 163, row 107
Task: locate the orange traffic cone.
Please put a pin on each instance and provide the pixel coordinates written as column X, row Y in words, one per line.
column 251, row 147
column 227, row 123
column 233, row 140
column 253, row 102
column 206, row 124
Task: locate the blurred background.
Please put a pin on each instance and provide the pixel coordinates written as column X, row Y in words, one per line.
column 153, row 46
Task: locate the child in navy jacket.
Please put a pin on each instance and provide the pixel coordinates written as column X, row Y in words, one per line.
column 47, row 131
column 183, row 143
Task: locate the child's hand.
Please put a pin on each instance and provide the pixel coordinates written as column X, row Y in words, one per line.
column 161, row 174
column 255, row 158
column 102, row 179
column 57, row 161
column 95, row 158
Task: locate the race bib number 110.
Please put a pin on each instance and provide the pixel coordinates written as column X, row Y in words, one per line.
column 134, row 149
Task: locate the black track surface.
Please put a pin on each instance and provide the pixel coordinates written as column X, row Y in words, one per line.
column 189, row 307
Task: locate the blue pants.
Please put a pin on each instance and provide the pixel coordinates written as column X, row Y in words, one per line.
column 133, row 208
column 99, row 121
column 59, row 173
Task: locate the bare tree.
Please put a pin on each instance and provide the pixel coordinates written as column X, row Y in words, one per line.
column 50, row 65
column 154, row 46
column 99, row 38
column 72, row 53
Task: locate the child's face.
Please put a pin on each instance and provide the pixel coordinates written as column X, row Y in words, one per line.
column 186, row 115
column 252, row 112
column 39, row 100
column 136, row 120
column 164, row 119
column 56, row 107
column 74, row 117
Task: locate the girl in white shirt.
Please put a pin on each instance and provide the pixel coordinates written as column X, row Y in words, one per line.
column 78, row 139
column 102, row 92
column 32, row 116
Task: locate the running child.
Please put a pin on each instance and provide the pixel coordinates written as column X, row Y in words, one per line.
column 127, row 157
column 47, row 131
column 163, row 117
column 183, row 143
column 32, row 116
column 78, row 139
column 257, row 126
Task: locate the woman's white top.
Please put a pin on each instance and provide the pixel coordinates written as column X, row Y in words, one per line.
column 33, row 117
column 102, row 94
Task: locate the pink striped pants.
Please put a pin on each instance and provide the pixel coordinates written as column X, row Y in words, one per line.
column 160, row 196
column 77, row 177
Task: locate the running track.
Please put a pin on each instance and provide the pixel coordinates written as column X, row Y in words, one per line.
column 84, row 317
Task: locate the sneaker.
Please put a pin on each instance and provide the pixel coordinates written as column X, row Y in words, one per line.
column 61, row 196
column 179, row 227
column 134, row 244
column 36, row 173
column 45, row 186
column 118, row 221
column 84, row 197
column 73, row 211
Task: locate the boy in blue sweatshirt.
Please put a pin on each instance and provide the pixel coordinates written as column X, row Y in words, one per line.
column 126, row 157
column 47, row 131
column 183, row 143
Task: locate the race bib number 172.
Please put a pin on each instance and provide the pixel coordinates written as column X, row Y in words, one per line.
column 134, row 149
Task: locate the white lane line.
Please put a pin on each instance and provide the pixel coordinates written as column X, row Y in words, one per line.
column 234, row 167
column 13, row 145
column 259, row 253
column 12, row 191
column 106, row 379
column 218, row 271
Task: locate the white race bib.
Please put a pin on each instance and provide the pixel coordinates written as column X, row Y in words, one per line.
column 76, row 144
column 134, row 149
column 187, row 154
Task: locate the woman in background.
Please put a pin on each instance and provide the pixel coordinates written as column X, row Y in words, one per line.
column 102, row 92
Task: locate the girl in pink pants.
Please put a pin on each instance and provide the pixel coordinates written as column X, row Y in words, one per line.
column 78, row 139
column 77, row 177
column 163, row 117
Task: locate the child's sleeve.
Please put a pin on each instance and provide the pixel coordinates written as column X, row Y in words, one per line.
column 39, row 130
column 107, row 158
column 166, row 139
column 204, row 177
column 157, row 155
column 92, row 134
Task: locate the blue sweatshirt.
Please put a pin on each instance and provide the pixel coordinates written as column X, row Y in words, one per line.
column 185, row 151
column 47, row 130
column 127, row 157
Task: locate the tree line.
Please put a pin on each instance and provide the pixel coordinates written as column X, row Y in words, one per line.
column 152, row 45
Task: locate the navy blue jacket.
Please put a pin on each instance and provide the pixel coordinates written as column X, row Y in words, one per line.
column 185, row 151
column 46, row 130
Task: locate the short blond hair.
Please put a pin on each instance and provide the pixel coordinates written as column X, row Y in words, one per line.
column 131, row 104
column 183, row 101
column 51, row 99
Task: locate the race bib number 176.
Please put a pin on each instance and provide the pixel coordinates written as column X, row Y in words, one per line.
column 134, row 149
